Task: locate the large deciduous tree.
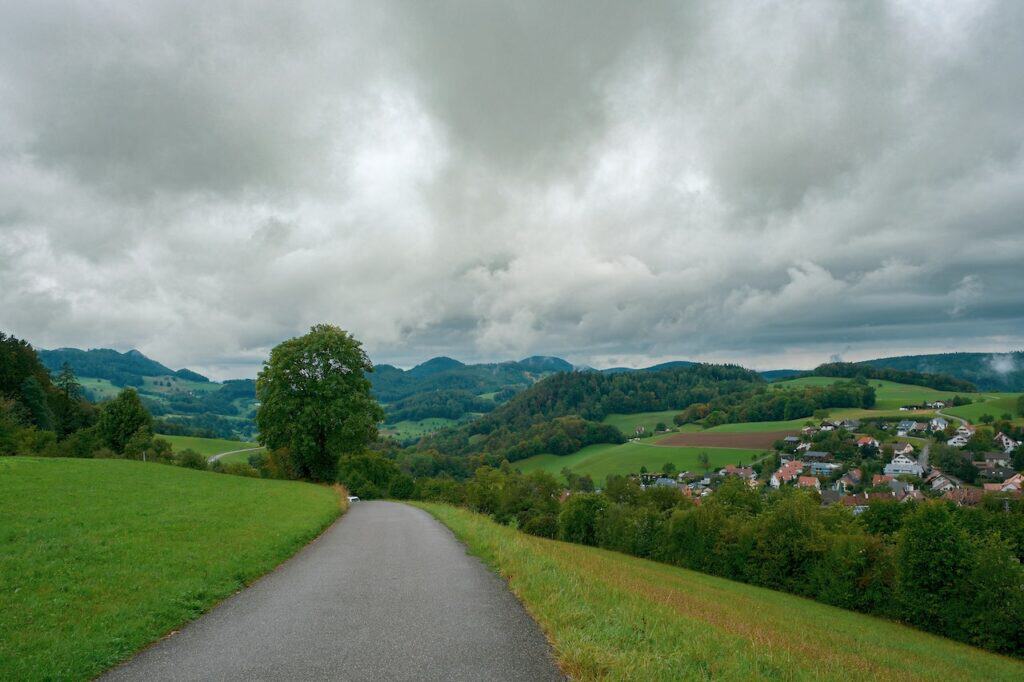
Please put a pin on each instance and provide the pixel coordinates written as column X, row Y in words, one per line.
column 121, row 418
column 315, row 400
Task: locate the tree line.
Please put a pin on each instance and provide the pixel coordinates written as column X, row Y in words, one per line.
column 849, row 370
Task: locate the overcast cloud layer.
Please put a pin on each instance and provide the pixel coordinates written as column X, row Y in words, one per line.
column 621, row 183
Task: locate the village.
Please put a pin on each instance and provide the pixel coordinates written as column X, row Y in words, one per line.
column 854, row 463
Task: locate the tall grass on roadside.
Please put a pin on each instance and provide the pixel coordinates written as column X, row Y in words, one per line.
column 611, row 616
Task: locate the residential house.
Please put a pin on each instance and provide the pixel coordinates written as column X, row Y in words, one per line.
column 867, row 441
column 905, row 449
column 742, row 472
column 942, row 483
column 905, row 427
column 825, row 469
column 958, row 441
column 880, row 479
column 827, row 426
column 850, row 424
column 791, row 441
column 787, row 473
column 850, row 480
column 913, row 496
column 938, row 424
column 809, row 430
column 903, row 464
column 936, row 405
column 965, row 430
column 803, row 447
column 1007, row 444
column 1013, row 484
column 994, row 459
column 964, row 497
column 996, row 473
column 817, row 456
column 808, row 482
column 858, row 503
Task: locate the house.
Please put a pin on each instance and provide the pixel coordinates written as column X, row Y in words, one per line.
column 938, row 424
column 996, row 473
column 1007, row 444
column 992, row 487
column 809, row 430
column 803, row 447
column 851, row 479
column 867, row 441
column 817, row 456
column 942, row 483
column 742, row 472
column 965, row 430
column 850, row 424
column 822, row 468
column 903, row 464
column 996, row 459
column 964, row 497
column 920, row 427
column 880, row 479
column 787, row 473
column 936, row 405
column 830, row 497
column 905, row 449
column 913, row 496
column 663, row 482
column 958, row 441
column 1013, row 484
column 905, row 427
column 827, row 426
column 808, row 482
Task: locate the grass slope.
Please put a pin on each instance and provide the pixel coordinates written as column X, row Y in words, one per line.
column 627, row 423
column 101, row 557
column 995, row 404
column 405, row 430
column 206, row 446
column 611, row 616
column 603, row 460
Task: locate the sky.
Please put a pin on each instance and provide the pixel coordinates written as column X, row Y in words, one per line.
column 770, row 183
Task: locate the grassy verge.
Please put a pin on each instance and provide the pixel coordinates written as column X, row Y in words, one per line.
column 611, row 616
column 101, row 557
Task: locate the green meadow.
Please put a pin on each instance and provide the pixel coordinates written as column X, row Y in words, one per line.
column 888, row 394
column 627, row 423
column 207, row 446
column 405, row 430
column 603, row 460
column 102, row 557
column 612, row 616
column 995, row 404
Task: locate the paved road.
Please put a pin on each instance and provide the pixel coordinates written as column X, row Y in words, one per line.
column 214, row 458
column 387, row 593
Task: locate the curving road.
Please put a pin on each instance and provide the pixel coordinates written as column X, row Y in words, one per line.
column 386, row 593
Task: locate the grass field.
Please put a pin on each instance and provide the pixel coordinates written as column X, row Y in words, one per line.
column 405, row 430
column 755, row 427
column 627, row 423
column 102, row 557
column 206, row 446
column 995, row 404
column 101, row 389
column 603, row 460
column 611, row 616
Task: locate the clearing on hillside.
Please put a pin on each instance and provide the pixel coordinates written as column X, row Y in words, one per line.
column 206, row 446
column 101, row 557
column 612, row 616
column 705, row 439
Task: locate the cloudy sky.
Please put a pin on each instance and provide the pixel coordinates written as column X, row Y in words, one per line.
column 615, row 183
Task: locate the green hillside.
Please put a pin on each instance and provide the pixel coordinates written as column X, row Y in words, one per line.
column 101, row 557
column 611, row 616
column 601, row 461
column 995, row 404
column 888, row 394
column 987, row 371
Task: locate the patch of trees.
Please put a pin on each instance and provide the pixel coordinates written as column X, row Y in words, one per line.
column 447, row 403
column 952, row 571
column 849, row 370
column 763, row 404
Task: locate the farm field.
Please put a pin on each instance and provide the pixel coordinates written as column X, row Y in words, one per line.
column 612, row 616
column 101, row 389
column 995, row 404
column 725, row 439
column 104, row 556
column 757, row 427
column 406, row 430
column 601, row 461
column 206, row 446
column 627, row 423
column 888, row 394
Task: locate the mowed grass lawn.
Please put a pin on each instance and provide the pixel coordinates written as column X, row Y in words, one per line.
column 207, row 446
column 601, row 461
column 101, row 557
column 612, row 616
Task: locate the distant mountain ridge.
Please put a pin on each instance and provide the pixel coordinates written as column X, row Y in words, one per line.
column 120, row 369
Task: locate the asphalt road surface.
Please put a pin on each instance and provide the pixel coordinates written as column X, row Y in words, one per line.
column 386, row 593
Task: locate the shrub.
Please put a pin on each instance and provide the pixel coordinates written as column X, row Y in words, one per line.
column 240, row 469
column 577, row 522
column 191, row 459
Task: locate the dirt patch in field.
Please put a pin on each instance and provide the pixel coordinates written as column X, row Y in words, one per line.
column 761, row 439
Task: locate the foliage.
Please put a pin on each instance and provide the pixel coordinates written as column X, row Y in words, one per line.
column 315, row 400
column 121, row 418
column 191, row 459
column 447, row 403
column 976, row 368
column 849, row 370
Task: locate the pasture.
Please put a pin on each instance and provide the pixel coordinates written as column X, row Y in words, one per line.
column 889, row 395
column 628, row 423
column 725, row 439
column 995, row 404
column 206, row 446
column 408, row 430
column 603, row 460
column 612, row 616
column 102, row 557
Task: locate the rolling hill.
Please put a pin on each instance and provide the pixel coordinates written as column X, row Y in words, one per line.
column 988, row 371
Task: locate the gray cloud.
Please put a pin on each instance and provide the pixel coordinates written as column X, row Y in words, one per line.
column 616, row 183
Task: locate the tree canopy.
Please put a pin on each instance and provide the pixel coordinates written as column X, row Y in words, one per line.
column 315, row 400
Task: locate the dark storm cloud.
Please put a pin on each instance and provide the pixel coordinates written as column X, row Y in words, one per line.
column 768, row 183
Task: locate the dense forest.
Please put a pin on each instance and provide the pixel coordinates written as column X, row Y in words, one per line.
column 447, row 403
column 391, row 384
column 760, row 405
column 987, row 371
column 847, row 370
